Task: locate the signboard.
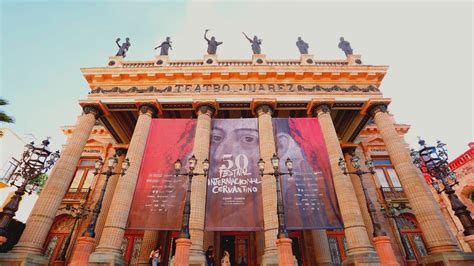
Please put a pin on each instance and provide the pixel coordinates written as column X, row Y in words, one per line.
column 159, row 196
column 308, row 196
column 234, row 194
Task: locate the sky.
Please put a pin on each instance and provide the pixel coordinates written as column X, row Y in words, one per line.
column 427, row 46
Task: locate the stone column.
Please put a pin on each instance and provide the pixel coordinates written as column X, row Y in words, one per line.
column 360, row 249
column 269, row 197
column 109, row 193
column 199, row 185
column 322, row 253
column 108, row 251
column 435, row 229
column 150, row 242
column 44, row 211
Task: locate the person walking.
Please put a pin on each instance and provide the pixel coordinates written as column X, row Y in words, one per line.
column 210, row 256
column 225, row 261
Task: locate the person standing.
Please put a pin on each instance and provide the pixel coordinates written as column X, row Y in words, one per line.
column 210, row 256
column 225, row 261
column 155, row 256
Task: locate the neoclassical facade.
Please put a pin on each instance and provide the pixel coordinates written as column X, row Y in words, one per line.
column 344, row 95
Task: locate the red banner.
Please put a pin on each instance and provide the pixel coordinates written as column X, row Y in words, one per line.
column 308, row 196
column 159, row 196
column 234, row 196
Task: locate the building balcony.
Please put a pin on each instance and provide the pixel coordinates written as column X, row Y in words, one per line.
column 393, row 194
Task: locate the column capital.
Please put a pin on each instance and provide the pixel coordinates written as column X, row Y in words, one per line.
column 121, row 151
column 379, row 107
column 205, row 107
column 92, row 109
column 321, row 108
column 263, row 109
column 348, row 149
column 148, row 109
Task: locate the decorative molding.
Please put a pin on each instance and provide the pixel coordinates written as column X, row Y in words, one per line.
column 228, row 88
column 264, row 109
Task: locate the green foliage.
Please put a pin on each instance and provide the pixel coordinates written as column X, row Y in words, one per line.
column 4, row 117
column 39, row 181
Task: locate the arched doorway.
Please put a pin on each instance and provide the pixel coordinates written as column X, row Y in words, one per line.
column 54, row 244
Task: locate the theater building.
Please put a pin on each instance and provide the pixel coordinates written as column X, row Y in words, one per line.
column 233, row 112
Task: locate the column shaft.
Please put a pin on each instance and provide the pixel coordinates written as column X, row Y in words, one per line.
column 199, row 185
column 150, row 242
column 269, row 197
column 44, row 211
column 435, row 229
column 356, row 233
column 114, row 229
column 322, row 253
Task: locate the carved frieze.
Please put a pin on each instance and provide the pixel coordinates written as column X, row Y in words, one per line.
column 236, row 88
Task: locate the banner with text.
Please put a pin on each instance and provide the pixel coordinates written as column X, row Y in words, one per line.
column 234, row 194
column 159, row 196
column 308, row 196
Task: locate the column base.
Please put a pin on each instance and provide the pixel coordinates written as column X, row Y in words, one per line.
column 449, row 258
column 363, row 258
column 269, row 259
column 196, row 259
column 83, row 250
column 385, row 251
column 183, row 247
column 17, row 259
column 470, row 241
column 285, row 253
column 106, row 258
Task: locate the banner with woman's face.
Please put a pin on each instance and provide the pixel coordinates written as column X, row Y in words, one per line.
column 308, row 196
column 234, row 193
column 159, row 196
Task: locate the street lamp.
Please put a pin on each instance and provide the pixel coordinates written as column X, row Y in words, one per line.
column 35, row 161
column 275, row 161
column 355, row 161
column 433, row 160
column 111, row 164
column 77, row 213
column 192, row 162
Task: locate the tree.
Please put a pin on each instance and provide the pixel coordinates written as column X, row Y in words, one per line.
column 39, row 182
column 4, row 117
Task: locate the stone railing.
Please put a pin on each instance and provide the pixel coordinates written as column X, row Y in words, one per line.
column 393, row 193
column 196, row 63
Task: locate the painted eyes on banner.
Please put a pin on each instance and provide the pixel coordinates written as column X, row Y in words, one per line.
column 248, row 139
column 217, row 138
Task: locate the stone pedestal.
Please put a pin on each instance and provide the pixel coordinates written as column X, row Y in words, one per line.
column 448, row 259
column 470, row 241
column 210, row 60
column 306, row 59
column 285, row 253
column 161, row 60
column 20, row 259
column 385, row 251
column 84, row 247
column 181, row 257
column 106, row 259
column 269, row 259
column 115, row 61
column 259, row 59
column 354, row 59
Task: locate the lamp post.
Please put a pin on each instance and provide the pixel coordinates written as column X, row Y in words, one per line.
column 183, row 243
column 433, row 160
column 275, row 161
column 35, row 161
column 355, row 161
column 77, row 213
column 380, row 239
column 192, row 162
column 111, row 164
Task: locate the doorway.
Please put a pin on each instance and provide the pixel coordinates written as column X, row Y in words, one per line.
column 238, row 246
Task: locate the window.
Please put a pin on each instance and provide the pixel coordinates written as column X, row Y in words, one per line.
column 82, row 180
column 386, row 174
column 337, row 246
column 411, row 236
